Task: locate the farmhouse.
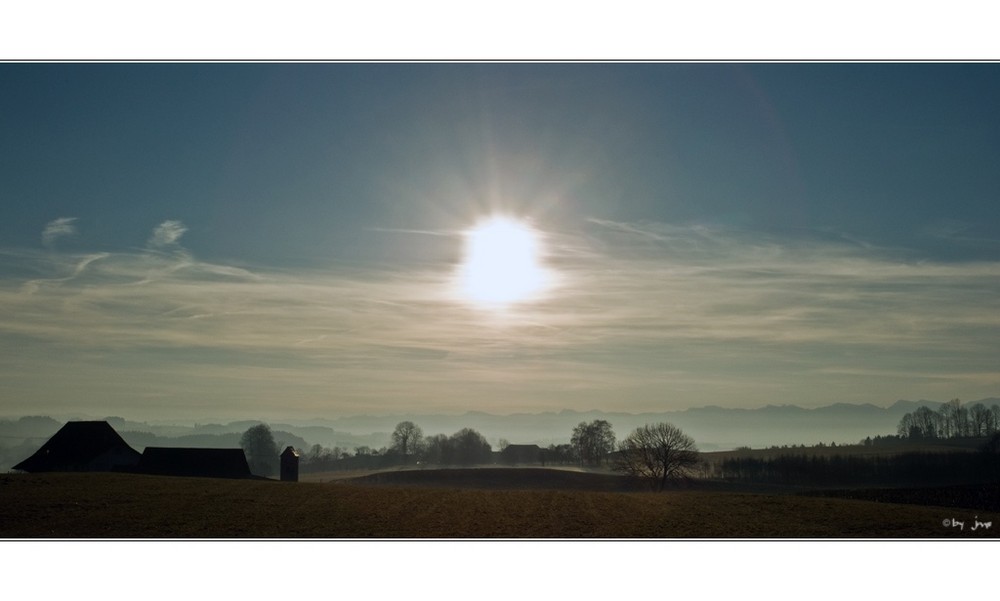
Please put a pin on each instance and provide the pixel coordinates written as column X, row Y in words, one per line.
column 94, row 446
column 204, row 463
column 521, row 453
column 91, row 446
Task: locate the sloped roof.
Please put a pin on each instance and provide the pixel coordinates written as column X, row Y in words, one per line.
column 81, row 446
column 206, row 463
column 523, row 447
column 522, row 453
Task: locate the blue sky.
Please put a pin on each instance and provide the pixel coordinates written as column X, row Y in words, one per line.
column 186, row 240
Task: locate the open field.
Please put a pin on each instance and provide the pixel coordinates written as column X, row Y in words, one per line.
column 134, row 506
column 977, row 497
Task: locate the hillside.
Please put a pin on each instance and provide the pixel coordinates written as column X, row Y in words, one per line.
column 502, row 478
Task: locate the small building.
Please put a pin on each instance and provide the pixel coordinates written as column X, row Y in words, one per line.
column 86, row 446
column 289, row 465
column 514, row 454
column 190, row 462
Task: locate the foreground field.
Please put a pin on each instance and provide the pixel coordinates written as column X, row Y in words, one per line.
column 133, row 506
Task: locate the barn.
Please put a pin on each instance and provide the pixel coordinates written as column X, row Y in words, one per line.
column 203, row 463
column 85, row 446
column 514, row 454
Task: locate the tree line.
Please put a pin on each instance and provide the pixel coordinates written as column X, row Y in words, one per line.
column 951, row 420
column 657, row 453
column 913, row 468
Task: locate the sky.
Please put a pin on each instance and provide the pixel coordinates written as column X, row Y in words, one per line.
column 184, row 241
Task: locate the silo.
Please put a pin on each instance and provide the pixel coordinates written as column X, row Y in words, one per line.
column 289, row 465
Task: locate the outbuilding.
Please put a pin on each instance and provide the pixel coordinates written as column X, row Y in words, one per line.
column 190, row 462
column 290, row 465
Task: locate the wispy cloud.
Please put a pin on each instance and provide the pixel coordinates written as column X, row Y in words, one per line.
column 643, row 316
column 711, row 284
column 166, row 234
column 58, row 228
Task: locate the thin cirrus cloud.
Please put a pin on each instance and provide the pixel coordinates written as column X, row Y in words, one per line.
column 167, row 234
column 645, row 316
column 715, row 284
column 58, row 228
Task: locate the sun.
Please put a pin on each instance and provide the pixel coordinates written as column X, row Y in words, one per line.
column 502, row 263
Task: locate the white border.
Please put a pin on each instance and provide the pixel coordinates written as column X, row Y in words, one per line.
column 514, row 30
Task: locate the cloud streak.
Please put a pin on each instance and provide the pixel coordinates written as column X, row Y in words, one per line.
column 166, row 234
column 58, row 228
column 644, row 316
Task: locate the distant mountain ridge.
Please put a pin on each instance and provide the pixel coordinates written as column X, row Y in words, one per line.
column 712, row 427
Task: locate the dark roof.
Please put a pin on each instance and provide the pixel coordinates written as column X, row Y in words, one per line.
column 523, row 447
column 522, row 453
column 207, row 463
column 81, row 446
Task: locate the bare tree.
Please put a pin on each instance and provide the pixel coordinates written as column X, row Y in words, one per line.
column 922, row 423
column 406, row 439
column 927, row 421
column 954, row 419
column 907, row 428
column 979, row 420
column 261, row 450
column 658, row 453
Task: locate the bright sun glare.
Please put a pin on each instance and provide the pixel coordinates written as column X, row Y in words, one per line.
column 502, row 263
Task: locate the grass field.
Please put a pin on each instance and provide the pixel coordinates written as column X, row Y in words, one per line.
column 136, row 506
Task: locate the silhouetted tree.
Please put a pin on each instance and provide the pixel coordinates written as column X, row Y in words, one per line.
column 954, row 419
column 406, row 439
column 593, row 441
column 658, row 452
column 316, row 453
column 906, row 428
column 979, row 420
column 470, row 447
column 437, row 450
column 261, row 450
column 562, row 453
column 928, row 422
column 922, row 423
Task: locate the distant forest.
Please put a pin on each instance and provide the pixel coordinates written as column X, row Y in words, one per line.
column 951, row 420
column 973, row 456
column 912, row 468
